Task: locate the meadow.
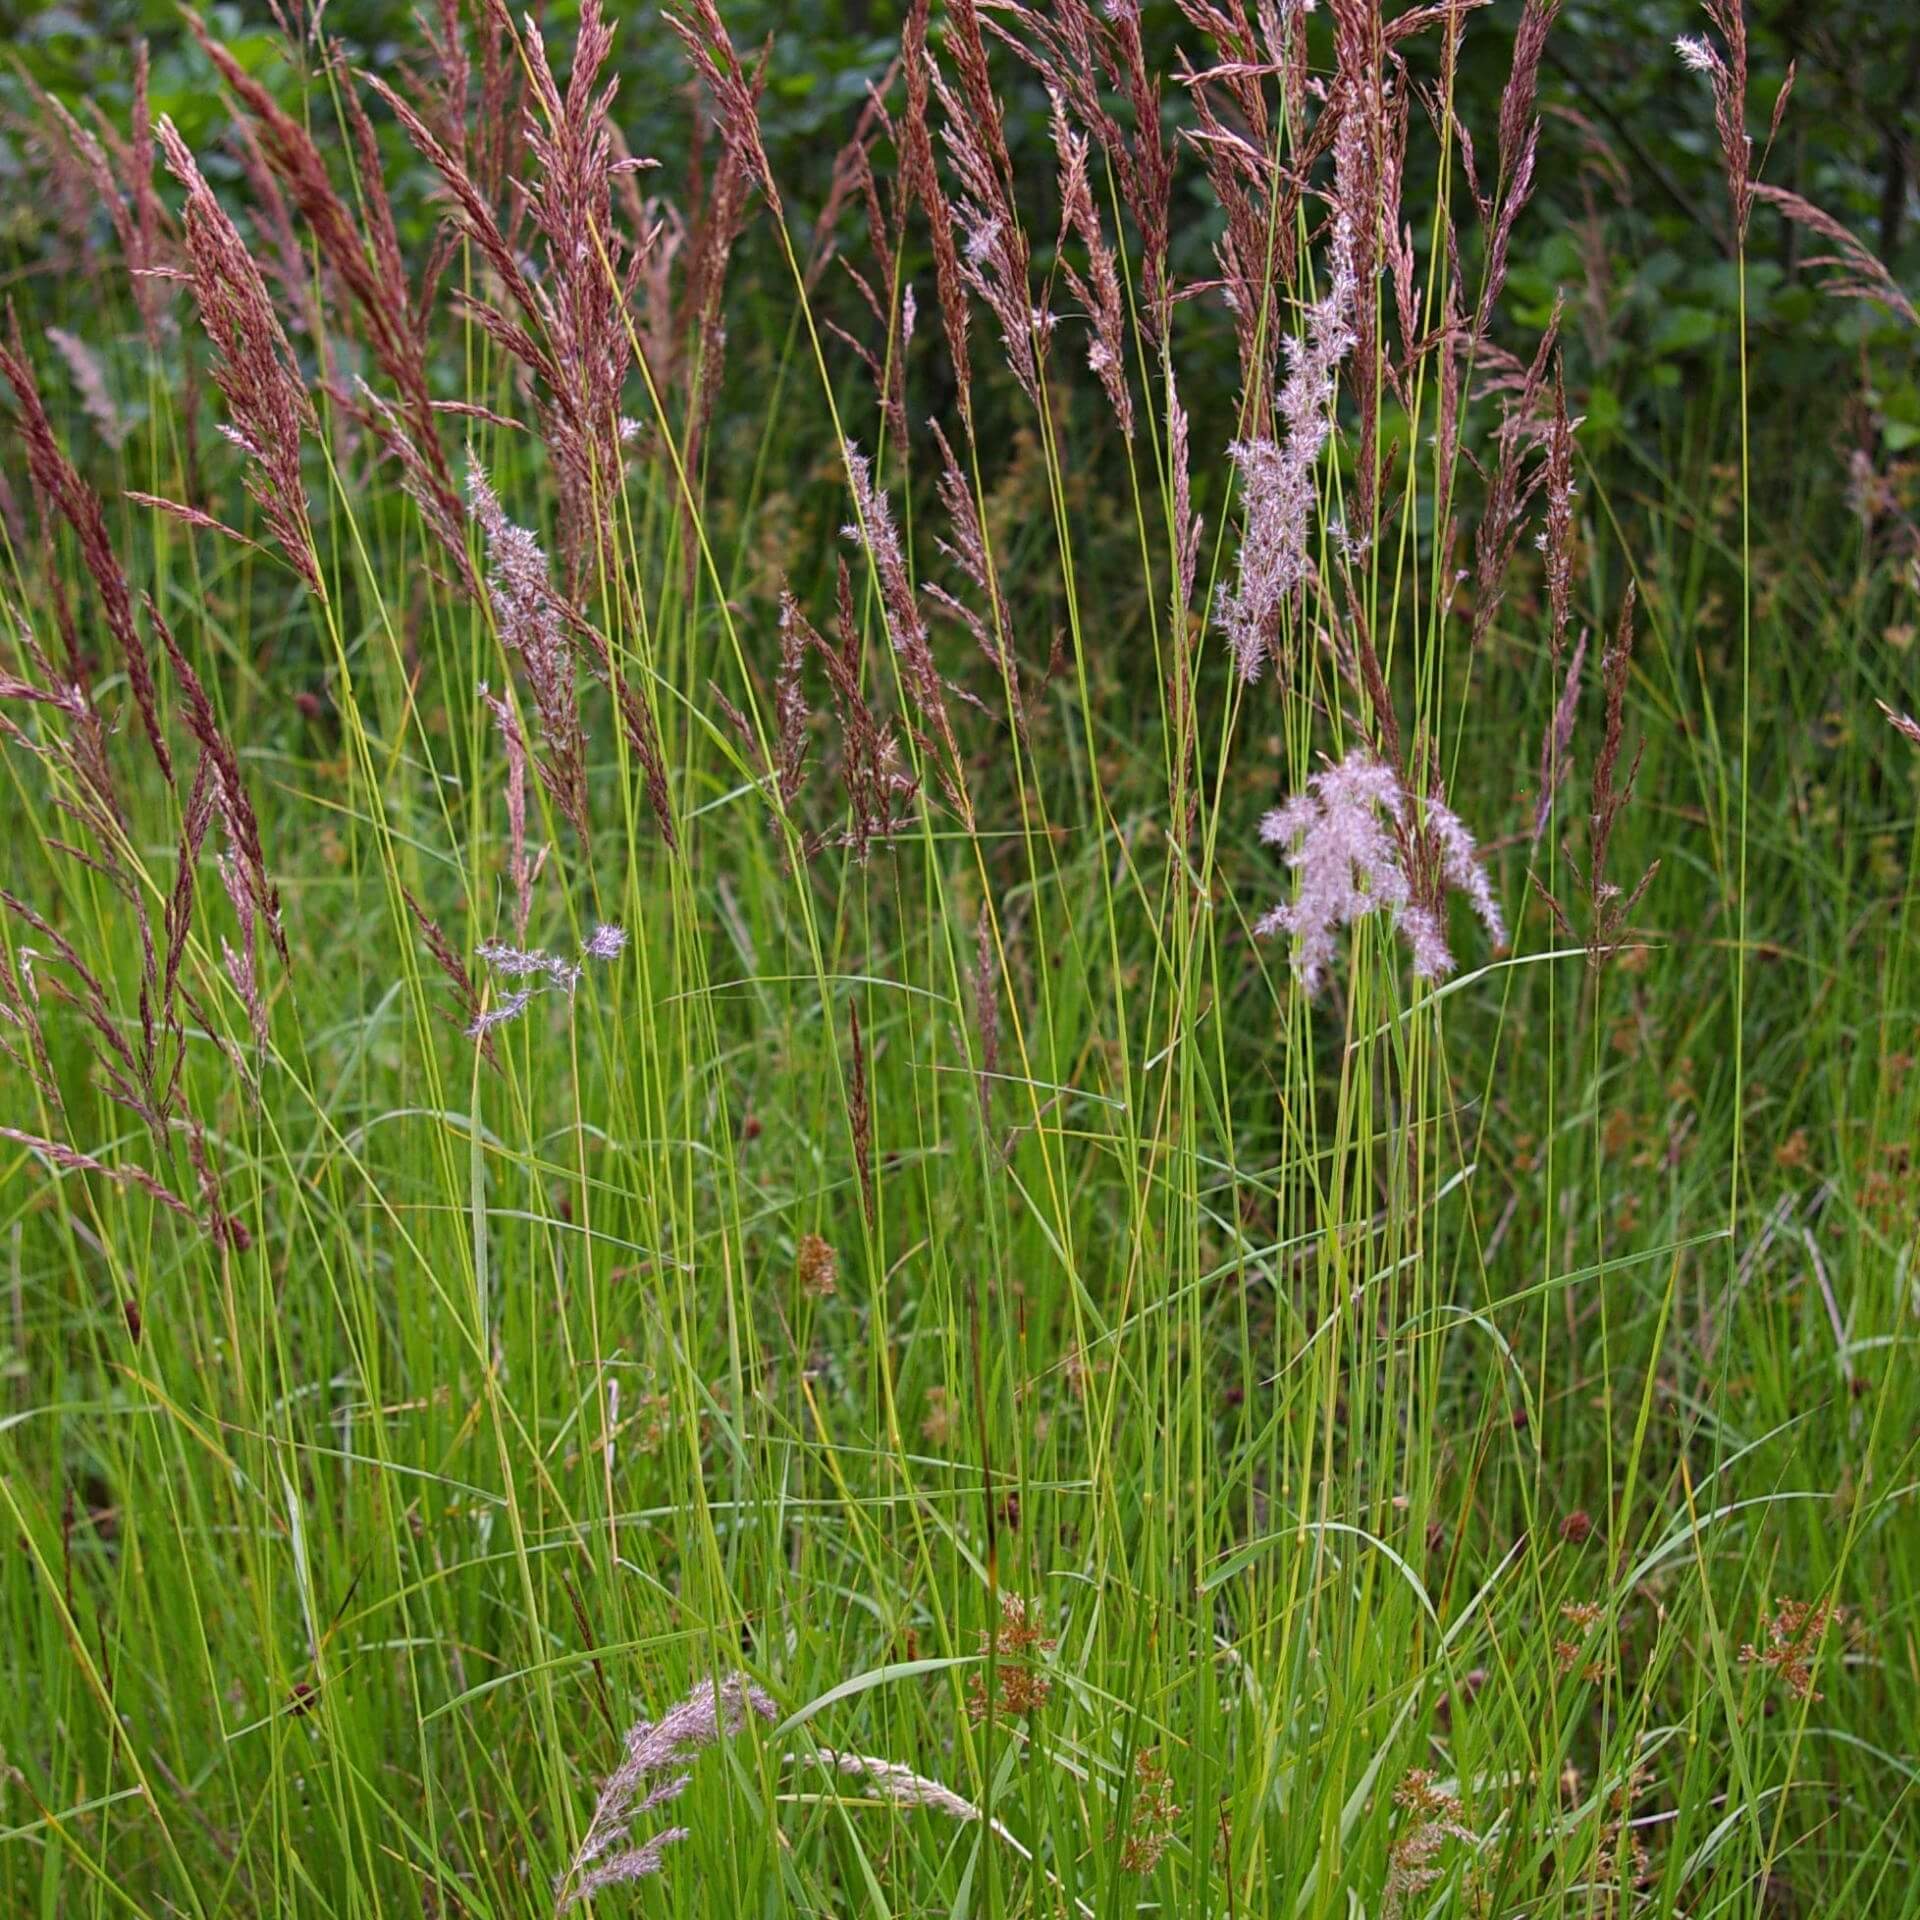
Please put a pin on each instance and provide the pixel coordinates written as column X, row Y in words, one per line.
column 979, row 1039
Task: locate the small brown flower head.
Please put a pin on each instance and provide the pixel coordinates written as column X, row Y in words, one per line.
column 1581, row 1616
column 1151, row 1822
column 1623, row 1854
column 1020, row 1688
column 1794, row 1634
column 817, row 1267
column 1433, row 1816
column 937, row 1428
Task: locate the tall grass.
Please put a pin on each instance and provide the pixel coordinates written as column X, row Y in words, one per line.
column 1105, row 1364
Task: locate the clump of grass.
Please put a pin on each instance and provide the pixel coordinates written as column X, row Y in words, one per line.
column 948, row 1273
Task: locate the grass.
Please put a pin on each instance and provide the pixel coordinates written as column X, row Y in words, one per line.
column 1381, row 1453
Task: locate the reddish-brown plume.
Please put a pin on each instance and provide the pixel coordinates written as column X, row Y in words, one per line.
column 256, row 371
column 1098, row 290
column 369, row 265
column 1519, row 151
column 229, row 788
column 1072, row 47
column 880, row 787
column 67, row 495
column 922, row 176
column 570, row 330
column 994, row 258
column 1510, row 487
column 859, row 1112
column 120, row 174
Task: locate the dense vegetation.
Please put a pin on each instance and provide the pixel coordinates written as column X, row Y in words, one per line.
column 1003, row 1004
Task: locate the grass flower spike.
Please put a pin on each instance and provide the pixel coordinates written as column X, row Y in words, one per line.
column 653, row 1773
column 1348, row 838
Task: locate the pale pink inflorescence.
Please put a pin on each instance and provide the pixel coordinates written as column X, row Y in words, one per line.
column 605, row 943
column 530, row 963
column 90, row 383
column 533, row 624
column 1452, row 849
column 873, row 528
column 1348, row 837
column 652, row 1773
column 1345, row 855
column 1277, row 478
column 543, row 972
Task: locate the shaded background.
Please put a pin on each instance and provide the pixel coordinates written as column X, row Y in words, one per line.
column 1628, row 221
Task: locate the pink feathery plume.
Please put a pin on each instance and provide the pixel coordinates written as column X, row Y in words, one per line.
column 532, row 624
column 1357, row 849
column 1278, row 476
column 652, row 1773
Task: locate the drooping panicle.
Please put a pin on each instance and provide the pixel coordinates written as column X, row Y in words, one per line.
column 565, row 318
column 1073, row 46
column 966, row 546
column 880, row 787
column 363, row 257
column 231, row 798
column 1443, row 860
column 1854, row 270
column 1340, row 844
column 592, row 269
column 1519, row 150
column 872, row 529
column 736, row 92
column 1511, row 485
column 922, row 176
column 653, row 1772
column 995, row 259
